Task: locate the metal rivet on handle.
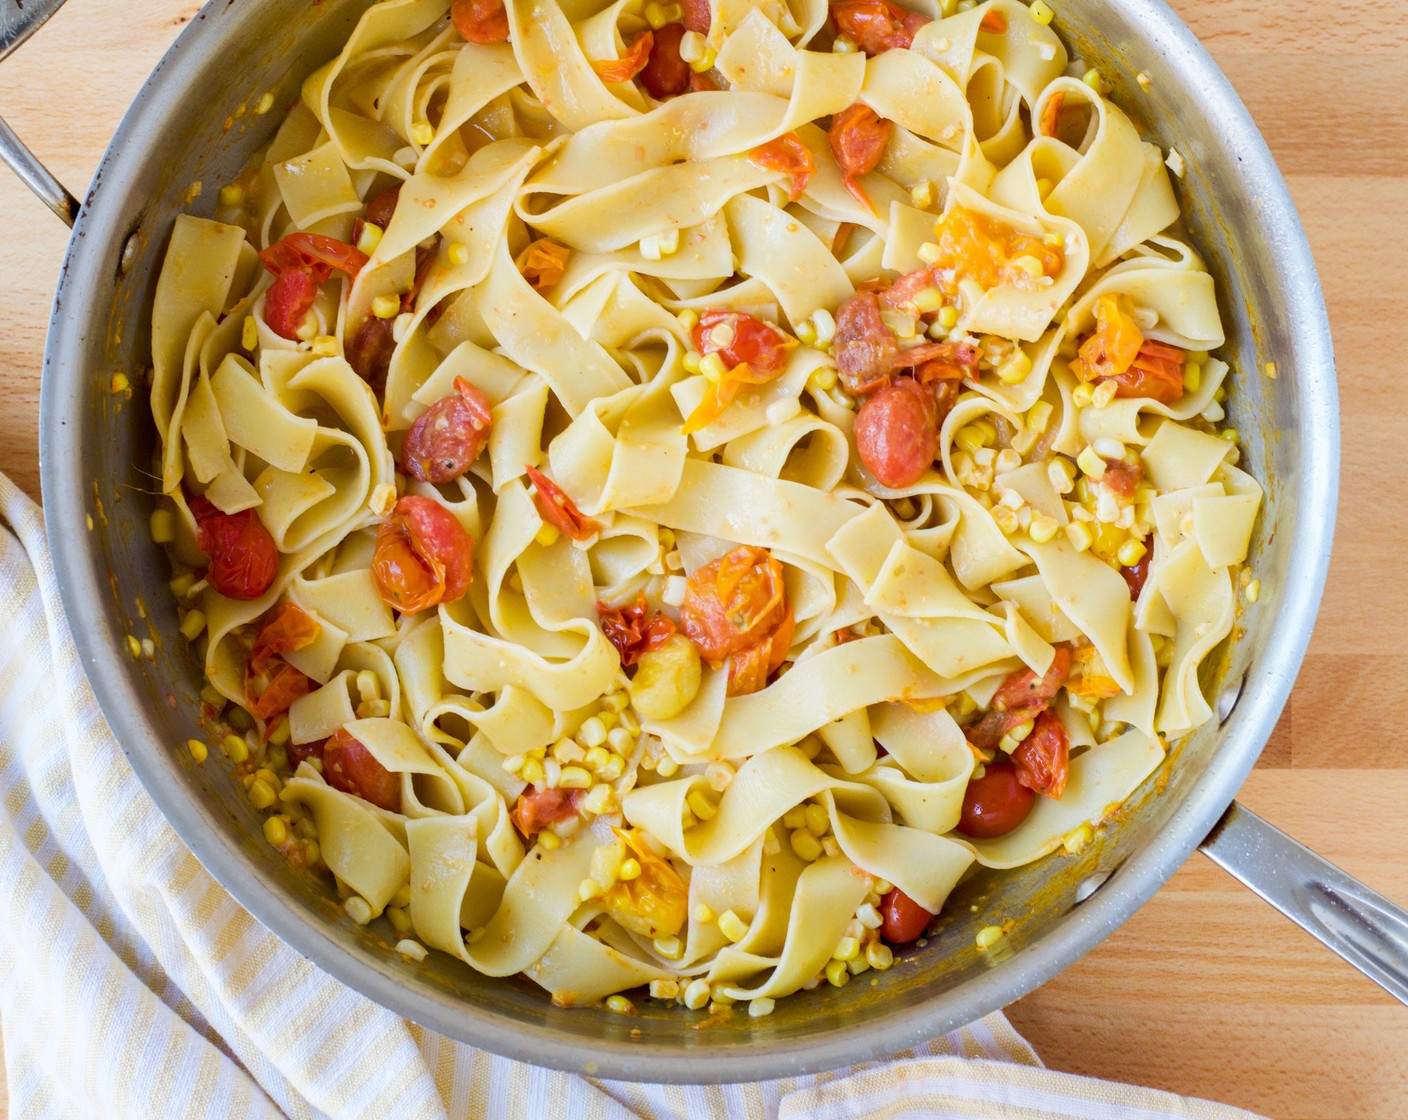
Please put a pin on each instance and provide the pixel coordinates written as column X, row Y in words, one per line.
column 129, row 253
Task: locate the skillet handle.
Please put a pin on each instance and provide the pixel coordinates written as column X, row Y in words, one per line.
column 1363, row 927
column 19, row 19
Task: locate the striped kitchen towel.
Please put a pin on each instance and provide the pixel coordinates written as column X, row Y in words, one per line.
column 132, row 985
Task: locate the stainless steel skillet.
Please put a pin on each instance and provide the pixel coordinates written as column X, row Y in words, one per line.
column 93, row 445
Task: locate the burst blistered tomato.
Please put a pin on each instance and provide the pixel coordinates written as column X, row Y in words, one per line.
column 1042, row 761
column 271, row 685
column 350, row 767
column 243, row 557
column 858, row 137
column 303, row 752
column 902, row 920
column 1023, row 696
column 736, row 609
column 287, row 302
column 423, row 556
column 480, row 21
column 897, row 433
column 447, row 437
column 666, row 74
column 655, row 903
column 369, row 352
column 320, row 255
column 790, row 156
column 557, row 509
column 996, row 803
column 877, row 25
column 537, row 807
column 867, row 352
column 1136, row 575
column 633, row 629
column 544, row 262
column 697, row 16
column 741, row 339
column 631, row 63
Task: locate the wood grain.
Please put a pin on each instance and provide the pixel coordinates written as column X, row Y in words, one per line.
column 1206, row 991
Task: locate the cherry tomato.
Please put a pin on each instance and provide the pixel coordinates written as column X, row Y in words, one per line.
column 790, row 156
column 736, row 608
column 867, row 353
column 1121, row 478
column 322, row 256
column 994, row 22
column 897, row 433
column 633, row 630
column 381, row 209
column 301, row 752
column 858, row 137
column 741, row 339
column 655, row 903
column 350, row 767
column 557, row 509
column 666, row 74
column 369, row 352
column 623, row 69
column 447, row 437
column 538, row 807
column 480, row 21
column 1051, row 113
column 904, row 292
column 697, row 16
column 996, row 803
column 287, row 302
column 956, row 361
column 288, row 627
column 975, row 247
column 269, row 696
column 544, row 262
column 1042, row 761
column 1023, row 696
column 423, row 556
column 902, row 919
column 243, row 557
column 1136, row 575
column 1156, row 372
column 1113, row 344
column 876, row 25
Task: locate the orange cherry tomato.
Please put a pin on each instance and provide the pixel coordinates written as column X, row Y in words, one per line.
column 666, row 74
column 996, row 803
column 1023, row 696
column 350, row 767
column 790, row 156
column 1156, row 372
column 897, row 433
column 423, row 556
column 623, row 69
column 902, row 920
column 537, row 807
column 287, row 628
column 877, row 25
column 544, row 262
column 270, row 696
column 1042, row 761
column 243, row 557
column 975, row 247
column 993, row 22
column 736, row 608
column 742, row 339
column 447, row 437
column 480, row 21
column 1051, row 113
column 557, row 509
column 633, row 630
column 1114, row 343
column 858, row 137
column 287, row 302
column 867, row 352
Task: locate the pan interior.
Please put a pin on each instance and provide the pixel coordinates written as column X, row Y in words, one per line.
column 193, row 123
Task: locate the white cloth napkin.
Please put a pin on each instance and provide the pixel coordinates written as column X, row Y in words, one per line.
column 132, row 985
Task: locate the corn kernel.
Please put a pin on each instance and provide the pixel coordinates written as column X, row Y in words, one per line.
column 927, row 299
column 1192, row 377
column 989, row 936
column 265, row 104
column 1090, row 462
column 846, row 949
column 922, row 194
column 879, row 956
column 533, row 772
column 705, row 62
column 825, row 324
column 930, row 253
column 588, row 889
column 411, row 949
column 1130, row 553
column 807, row 846
column 837, row 974
column 1042, row 13
column 198, row 750
column 696, row 995
column 549, row 840
column 1103, row 393
column 1008, row 459
column 629, row 869
column 231, row 195
column 193, row 625
column 795, row 817
column 1078, row 838
column 1079, row 535
column 369, row 239
column 761, row 1007
column 818, row 823
column 669, row 947
column 619, row 1004
column 386, row 307
column 358, row 909
column 732, row 926
column 843, row 44
column 702, row 914
column 1043, row 528
column 235, row 748
column 276, row 831
column 573, row 777
column 1252, row 591
column 1082, row 395
column 1095, row 80
column 882, row 887
column 667, row 768
column 700, row 804
column 664, row 989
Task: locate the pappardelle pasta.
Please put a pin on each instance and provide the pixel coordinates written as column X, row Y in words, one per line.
column 664, row 492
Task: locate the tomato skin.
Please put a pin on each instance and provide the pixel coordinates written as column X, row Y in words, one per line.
column 877, row 25
column 537, row 807
column 243, row 557
column 996, row 803
column 666, row 74
column 480, row 21
column 633, row 630
column 897, row 433
column 697, row 16
column 287, row 302
column 858, row 137
column 447, row 437
column 759, row 345
column 1138, row 574
column 381, row 208
column 1156, row 372
column 369, row 352
column 902, row 920
column 301, row 752
column 1042, row 761
column 557, row 509
column 868, row 355
column 790, row 156
column 1023, row 696
column 735, row 608
column 623, row 69
column 271, row 685
column 423, row 556
column 544, row 262
column 320, row 255
column 350, row 767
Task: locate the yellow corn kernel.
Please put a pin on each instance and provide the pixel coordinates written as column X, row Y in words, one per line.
column 795, row 817
column 843, row 44
column 265, row 104
column 1253, row 591
column 457, row 253
column 1192, row 377
column 1078, row 838
column 1015, row 369
column 1043, row 528
column 1038, row 417
column 276, row 831
column 280, row 735
column 930, row 253
column 669, row 947
column 1042, row 13
column 198, row 750
column 1006, row 520
column 370, row 239
column 262, row 795
column 574, row 777
column 1096, row 81
column 761, row 1007
column 592, row 733
column 619, row 1004
column 818, row 823
column 1103, row 394
column 1079, row 535
column 667, row 679
column 532, row 772
column 629, row 869
column 1082, row 395
column 879, row 956
column 732, row 926
column 927, row 299
column 667, row 768
column 712, row 368
column 921, row 194
column 837, row 974
column 700, row 804
column 846, row 949
column 705, row 62
column 948, row 317
column 358, row 909
column 702, row 914
column 422, row 132
column 1130, row 553
column 549, row 840
column 989, row 936
column 1091, row 464
column 235, row 748
column 588, row 889
column 386, row 307
column 231, row 195
column 696, row 995
column 807, row 846
column 399, row 919
column 823, row 378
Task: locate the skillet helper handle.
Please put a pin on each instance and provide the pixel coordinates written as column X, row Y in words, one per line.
column 1363, row 927
column 19, row 19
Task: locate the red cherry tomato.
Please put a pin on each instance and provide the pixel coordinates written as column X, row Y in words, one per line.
column 666, row 74
column 877, row 25
column 1023, row 696
column 448, row 436
column 350, row 767
column 480, row 21
column 557, row 509
column 369, row 352
column 697, row 16
column 633, row 630
column 380, row 209
column 1156, row 373
column 897, row 433
column 1137, row 575
column 902, row 919
column 790, row 156
column 858, row 137
column 741, row 339
column 537, row 807
column 423, row 556
column 287, row 302
column 868, row 354
column 996, row 803
column 1042, row 761
column 322, row 256
column 735, row 608
column 271, row 685
column 243, row 557
column 300, row 752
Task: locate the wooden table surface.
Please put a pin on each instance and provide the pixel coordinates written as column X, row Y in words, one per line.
column 1206, row 991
